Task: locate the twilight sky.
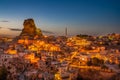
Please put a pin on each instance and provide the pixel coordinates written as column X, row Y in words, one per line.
column 79, row 16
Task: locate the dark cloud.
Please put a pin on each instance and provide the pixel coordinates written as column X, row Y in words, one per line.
column 49, row 32
column 4, row 21
column 15, row 29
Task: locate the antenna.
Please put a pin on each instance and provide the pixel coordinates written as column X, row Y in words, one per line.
column 66, row 31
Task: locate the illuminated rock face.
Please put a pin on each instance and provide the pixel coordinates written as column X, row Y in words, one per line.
column 30, row 28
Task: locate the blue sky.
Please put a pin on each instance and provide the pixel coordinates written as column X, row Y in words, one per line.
column 80, row 16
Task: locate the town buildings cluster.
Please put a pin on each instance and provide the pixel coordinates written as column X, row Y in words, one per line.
column 59, row 58
column 34, row 57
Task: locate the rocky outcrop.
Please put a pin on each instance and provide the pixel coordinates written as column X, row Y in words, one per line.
column 30, row 29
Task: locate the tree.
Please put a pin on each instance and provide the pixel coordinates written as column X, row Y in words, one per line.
column 119, row 65
column 101, row 61
column 95, row 61
column 104, row 67
column 79, row 77
column 3, row 73
column 89, row 63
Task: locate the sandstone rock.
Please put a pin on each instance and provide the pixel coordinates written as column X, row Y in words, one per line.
column 30, row 29
column 38, row 32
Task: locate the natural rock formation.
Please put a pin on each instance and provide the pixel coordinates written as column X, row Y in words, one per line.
column 30, row 29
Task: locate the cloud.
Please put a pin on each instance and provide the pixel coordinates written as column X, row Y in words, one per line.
column 4, row 21
column 15, row 29
column 49, row 32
